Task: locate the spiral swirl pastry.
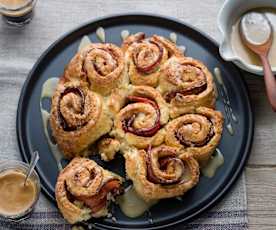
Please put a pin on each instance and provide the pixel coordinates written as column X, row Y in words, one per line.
column 186, row 83
column 144, row 57
column 83, row 190
column 78, row 117
column 101, row 65
column 198, row 132
column 139, row 122
column 161, row 172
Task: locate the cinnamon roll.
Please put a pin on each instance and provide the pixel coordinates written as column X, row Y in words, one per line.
column 186, row 83
column 78, row 117
column 144, row 57
column 84, row 189
column 161, row 172
column 139, row 122
column 198, row 132
column 102, row 65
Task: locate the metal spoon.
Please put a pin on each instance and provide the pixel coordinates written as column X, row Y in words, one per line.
column 34, row 160
column 256, row 33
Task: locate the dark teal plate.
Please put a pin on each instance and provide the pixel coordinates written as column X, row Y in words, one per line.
column 234, row 148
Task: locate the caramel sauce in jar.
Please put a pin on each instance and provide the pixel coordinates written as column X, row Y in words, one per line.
column 13, row 3
column 17, row 12
column 15, row 197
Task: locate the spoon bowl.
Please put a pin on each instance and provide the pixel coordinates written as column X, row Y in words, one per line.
column 256, row 33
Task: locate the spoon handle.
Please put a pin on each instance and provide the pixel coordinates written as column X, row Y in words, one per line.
column 34, row 159
column 270, row 82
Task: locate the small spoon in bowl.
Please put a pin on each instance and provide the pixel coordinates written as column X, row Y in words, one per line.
column 34, row 160
column 256, row 33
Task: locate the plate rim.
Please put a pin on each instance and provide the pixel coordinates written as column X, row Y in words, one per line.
column 251, row 123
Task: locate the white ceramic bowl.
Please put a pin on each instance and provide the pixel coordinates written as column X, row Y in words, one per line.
column 230, row 12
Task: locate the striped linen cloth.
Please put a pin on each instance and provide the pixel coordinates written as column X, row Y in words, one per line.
column 229, row 214
column 20, row 48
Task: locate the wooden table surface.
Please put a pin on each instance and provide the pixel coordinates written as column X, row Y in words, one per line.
column 261, row 166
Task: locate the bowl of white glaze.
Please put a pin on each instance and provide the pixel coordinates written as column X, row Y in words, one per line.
column 229, row 14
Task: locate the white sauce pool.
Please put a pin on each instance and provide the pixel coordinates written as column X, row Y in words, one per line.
column 101, row 34
column 124, row 34
column 217, row 160
column 173, row 37
column 242, row 51
column 85, row 41
column 48, row 90
column 132, row 205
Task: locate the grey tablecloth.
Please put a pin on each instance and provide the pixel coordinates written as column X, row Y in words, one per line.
column 19, row 49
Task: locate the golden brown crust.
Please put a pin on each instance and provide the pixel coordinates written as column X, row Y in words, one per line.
column 82, row 178
column 186, row 83
column 102, row 65
column 117, row 100
column 178, row 173
column 78, row 117
column 145, row 56
column 108, row 147
column 198, row 132
column 146, row 115
column 134, row 38
column 173, row 50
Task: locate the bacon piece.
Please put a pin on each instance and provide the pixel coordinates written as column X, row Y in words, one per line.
column 97, row 202
column 195, row 90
